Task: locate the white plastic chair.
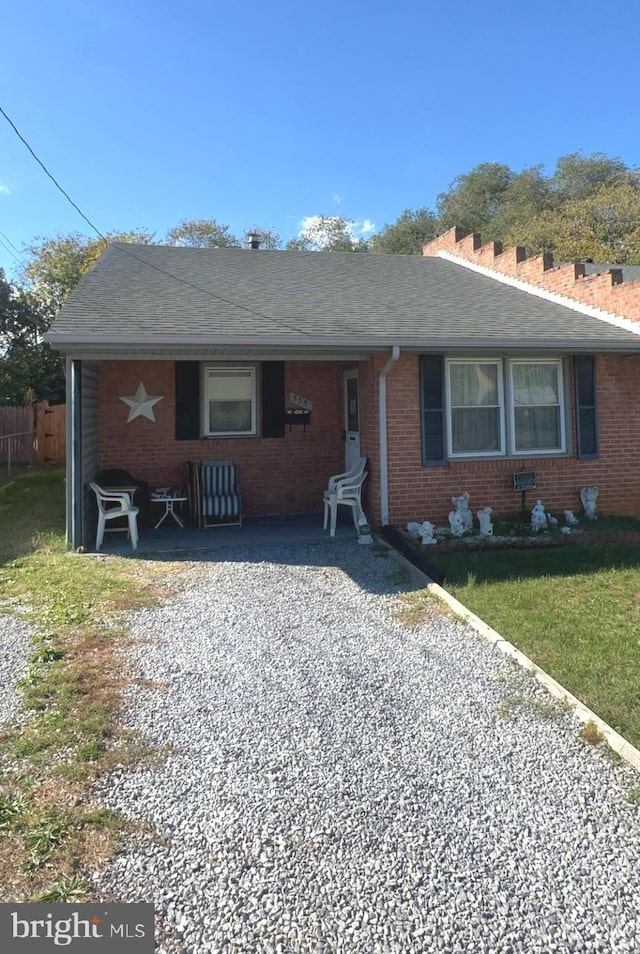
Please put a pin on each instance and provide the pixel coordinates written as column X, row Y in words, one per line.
column 347, row 493
column 112, row 504
column 352, row 474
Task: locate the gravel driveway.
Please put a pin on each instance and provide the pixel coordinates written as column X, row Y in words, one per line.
column 341, row 781
column 15, row 648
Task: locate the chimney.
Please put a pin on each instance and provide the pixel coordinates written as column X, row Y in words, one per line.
column 253, row 239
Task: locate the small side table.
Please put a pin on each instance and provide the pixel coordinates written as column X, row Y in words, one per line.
column 169, row 504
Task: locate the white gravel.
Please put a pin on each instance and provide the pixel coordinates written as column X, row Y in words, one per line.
column 342, row 782
column 15, row 648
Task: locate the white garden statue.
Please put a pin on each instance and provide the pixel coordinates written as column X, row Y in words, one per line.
column 570, row 518
column 461, row 505
column 589, row 496
column 413, row 527
column 538, row 517
column 484, row 518
column 456, row 524
column 426, row 534
column 364, row 530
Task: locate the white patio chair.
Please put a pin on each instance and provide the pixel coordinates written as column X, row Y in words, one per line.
column 352, row 474
column 347, row 493
column 112, row 504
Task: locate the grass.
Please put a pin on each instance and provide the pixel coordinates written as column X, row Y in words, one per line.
column 575, row 611
column 50, row 829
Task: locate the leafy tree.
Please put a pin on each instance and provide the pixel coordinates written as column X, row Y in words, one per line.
column 529, row 194
column 577, row 176
column 604, row 227
column 407, row 235
column 475, row 198
column 27, row 364
column 56, row 265
column 328, row 233
column 202, row 233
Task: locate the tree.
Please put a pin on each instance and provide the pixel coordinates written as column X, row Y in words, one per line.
column 202, row 233
column 529, row 194
column 328, row 233
column 474, row 199
column 27, row 363
column 604, row 227
column 577, row 176
column 407, row 235
column 56, row 265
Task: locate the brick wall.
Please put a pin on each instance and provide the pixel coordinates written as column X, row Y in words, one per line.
column 277, row 475
column 606, row 291
column 424, row 493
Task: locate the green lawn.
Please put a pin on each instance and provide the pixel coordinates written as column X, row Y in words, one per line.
column 51, row 832
column 574, row 610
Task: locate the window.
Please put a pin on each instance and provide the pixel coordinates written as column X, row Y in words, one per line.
column 505, row 407
column 537, row 420
column 230, row 401
column 475, row 407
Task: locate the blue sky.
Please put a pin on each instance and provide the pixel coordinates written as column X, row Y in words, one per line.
column 265, row 113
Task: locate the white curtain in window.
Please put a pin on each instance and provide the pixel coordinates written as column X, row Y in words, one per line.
column 536, row 399
column 535, row 384
column 475, row 411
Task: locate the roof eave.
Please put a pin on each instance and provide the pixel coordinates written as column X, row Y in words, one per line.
column 135, row 345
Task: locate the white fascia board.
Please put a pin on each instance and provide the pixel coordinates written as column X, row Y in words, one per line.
column 618, row 321
column 154, row 350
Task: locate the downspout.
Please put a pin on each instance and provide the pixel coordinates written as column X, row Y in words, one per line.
column 382, row 424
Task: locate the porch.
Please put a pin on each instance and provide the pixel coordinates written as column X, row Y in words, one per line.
column 255, row 531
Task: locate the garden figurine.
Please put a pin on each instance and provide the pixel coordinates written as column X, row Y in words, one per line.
column 484, row 518
column 461, row 505
column 426, row 534
column 456, row 524
column 538, row 517
column 570, row 519
column 589, row 496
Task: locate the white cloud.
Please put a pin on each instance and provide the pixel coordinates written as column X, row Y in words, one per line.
column 338, row 197
column 4, row 190
column 314, row 227
column 366, row 227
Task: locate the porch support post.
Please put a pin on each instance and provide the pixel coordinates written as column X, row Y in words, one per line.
column 75, row 504
column 382, row 424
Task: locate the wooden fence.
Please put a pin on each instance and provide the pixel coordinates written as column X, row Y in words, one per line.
column 51, row 431
column 32, row 435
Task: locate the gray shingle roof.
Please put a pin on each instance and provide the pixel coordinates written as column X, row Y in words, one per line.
column 629, row 272
column 222, row 295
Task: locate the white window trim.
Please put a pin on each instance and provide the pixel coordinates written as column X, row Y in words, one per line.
column 254, row 400
column 538, row 451
column 507, row 415
column 501, row 405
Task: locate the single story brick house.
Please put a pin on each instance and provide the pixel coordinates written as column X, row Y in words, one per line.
column 448, row 372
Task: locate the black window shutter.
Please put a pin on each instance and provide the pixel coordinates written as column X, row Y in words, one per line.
column 584, row 366
column 432, row 402
column 187, row 380
column 273, row 399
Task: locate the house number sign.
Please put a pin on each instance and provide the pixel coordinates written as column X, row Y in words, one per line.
column 525, row 480
column 300, row 401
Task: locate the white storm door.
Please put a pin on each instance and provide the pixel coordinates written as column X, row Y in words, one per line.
column 351, row 419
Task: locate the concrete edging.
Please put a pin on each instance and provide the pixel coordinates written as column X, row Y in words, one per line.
column 613, row 739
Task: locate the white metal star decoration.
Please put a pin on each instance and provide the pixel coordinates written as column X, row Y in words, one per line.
column 141, row 404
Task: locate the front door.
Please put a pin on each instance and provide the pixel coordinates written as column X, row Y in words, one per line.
column 351, row 419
